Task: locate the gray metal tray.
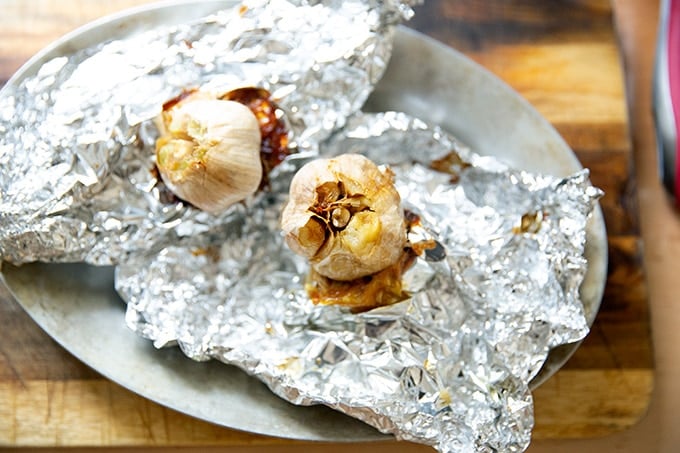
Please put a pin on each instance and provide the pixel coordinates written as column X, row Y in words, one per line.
column 77, row 305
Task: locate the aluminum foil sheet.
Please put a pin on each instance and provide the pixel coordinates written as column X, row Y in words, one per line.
column 451, row 365
column 448, row 367
column 76, row 139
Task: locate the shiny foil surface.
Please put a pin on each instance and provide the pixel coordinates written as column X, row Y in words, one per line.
column 77, row 138
column 449, row 367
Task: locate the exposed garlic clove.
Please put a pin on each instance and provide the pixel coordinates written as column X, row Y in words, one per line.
column 209, row 154
column 170, row 112
column 345, row 216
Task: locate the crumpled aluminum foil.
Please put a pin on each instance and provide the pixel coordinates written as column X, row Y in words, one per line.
column 448, row 367
column 88, row 137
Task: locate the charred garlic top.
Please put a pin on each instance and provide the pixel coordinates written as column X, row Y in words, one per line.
column 345, row 216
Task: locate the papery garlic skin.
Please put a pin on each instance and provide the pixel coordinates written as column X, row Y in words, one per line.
column 344, row 215
column 209, row 152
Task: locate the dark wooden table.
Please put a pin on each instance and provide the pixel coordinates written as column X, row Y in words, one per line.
column 563, row 56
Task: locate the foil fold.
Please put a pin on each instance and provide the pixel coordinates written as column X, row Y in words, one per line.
column 88, row 135
column 448, row 367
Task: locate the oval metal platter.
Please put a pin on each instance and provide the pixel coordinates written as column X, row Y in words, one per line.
column 76, row 304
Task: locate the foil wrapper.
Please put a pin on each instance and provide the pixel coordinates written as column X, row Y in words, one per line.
column 448, row 367
column 451, row 365
column 82, row 188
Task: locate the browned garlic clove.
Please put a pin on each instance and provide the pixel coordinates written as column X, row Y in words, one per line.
column 209, row 152
column 345, row 216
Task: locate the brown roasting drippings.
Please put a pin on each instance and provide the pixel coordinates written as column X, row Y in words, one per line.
column 365, row 293
column 451, row 164
column 170, row 103
column 530, row 222
column 274, row 147
column 376, row 290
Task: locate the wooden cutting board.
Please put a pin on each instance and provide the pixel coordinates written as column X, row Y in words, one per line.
column 560, row 55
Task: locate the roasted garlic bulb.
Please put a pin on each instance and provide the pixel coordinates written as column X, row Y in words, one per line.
column 345, row 216
column 209, row 151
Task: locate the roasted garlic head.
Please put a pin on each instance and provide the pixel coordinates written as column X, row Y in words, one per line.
column 345, row 216
column 209, row 151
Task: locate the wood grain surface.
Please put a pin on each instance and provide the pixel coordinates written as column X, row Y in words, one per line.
column 563, row 57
